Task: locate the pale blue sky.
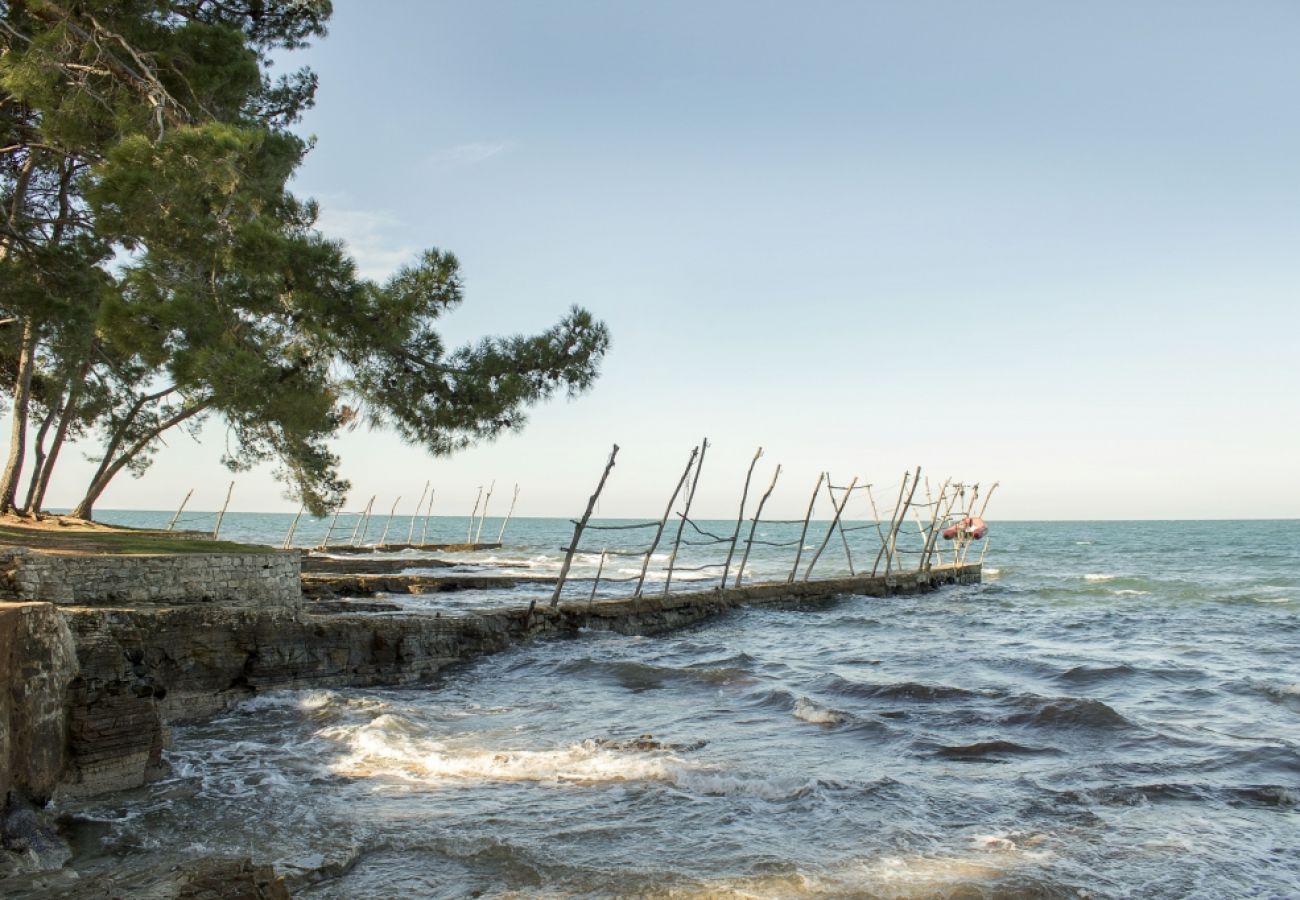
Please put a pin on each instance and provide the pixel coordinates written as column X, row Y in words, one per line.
column 1052, row 244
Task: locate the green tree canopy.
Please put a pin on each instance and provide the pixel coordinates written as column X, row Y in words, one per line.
column 155, row 270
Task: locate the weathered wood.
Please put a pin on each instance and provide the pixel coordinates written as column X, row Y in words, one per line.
column 839, row 510
column 690, row 496
column 428, row 512
column 936, row 524
column 740, row 517
column 843, row 537
column 798, row 553
column 469, row 532
column 329, row 532
column 410, row 532
column 363, row 525
column 758, row 513
column 577, row 529
column 893, row 537
column 483, row 518
column 513, row 500
column 875, row 514
column 221, row 515
column 884, row 543
column 180, row 509
column 361, row 517
column 600, row 570
column 645, row 564
column 383, row 538
column 288, row 538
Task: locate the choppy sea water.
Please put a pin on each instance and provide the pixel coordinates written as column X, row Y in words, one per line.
column 1114, row 712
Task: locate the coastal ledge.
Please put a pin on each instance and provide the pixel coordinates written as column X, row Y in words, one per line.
column 248, row 579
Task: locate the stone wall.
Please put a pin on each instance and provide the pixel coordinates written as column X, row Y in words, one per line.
column 248, row 579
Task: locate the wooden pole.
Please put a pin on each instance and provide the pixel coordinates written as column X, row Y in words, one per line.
column 932, row 538
column 902, row 514
column 363, row 525
column 410, row 532
column 884, row 543
column 469, row 532
column 843, row 537
column 383, row 538
column 577, row 529
column 329, row 531
column 483, row 518
column 794, row 570
column 758, row 513
column 428, row 511
column 985, row 550
column 221, row 515
column 513, row 500
column 179, row 510
column 288, row 538
column 740, row 517
column 645, row 563
column 875, row 514
column 596, row 583
column 839, row 510
column 686, row 511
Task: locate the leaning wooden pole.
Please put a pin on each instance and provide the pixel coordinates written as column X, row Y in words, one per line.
column 288, row 538
column 884, row 543
column 595, row 582
column 758, row 514
column 685, row 514
column 659, row 532
column 180, row 509
column 843, row 537
column 577, row 530
column 469, row 532
column 483, row 518
column 839, row 510
column 513, row 500
column 410, row 532
column 383, row 538
column 740, row 518
column 428, row 512
column 221, row 515
column 898, row 523
column 363, row 523
column 798, row 553
column 936, row 519
column 329, row 531
column 875, row 514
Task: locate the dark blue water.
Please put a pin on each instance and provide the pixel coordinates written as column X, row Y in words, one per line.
column 1114, row 712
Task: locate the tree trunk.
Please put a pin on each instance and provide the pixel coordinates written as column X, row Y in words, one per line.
column 60, row 435
column 18, row 434
column 108, row 469
column 38, row 455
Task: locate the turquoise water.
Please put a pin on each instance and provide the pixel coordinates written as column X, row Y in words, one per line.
column 1114, row 712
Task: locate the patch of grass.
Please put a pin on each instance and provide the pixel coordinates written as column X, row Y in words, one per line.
column 118, row 542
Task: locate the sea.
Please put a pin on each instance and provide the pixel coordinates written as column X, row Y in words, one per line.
column 1113, row 712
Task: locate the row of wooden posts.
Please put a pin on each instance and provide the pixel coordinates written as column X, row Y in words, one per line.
column 953, row 502
column 472, row 536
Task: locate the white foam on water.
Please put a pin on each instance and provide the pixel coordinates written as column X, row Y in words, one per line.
column 728, row 784
column 1082, row 543
column 1271, row 599
column 808, row 711
column 1128, row 592
column 991, row 572
column 1100, row 577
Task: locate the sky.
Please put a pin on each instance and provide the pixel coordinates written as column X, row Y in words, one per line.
column 1050, row 245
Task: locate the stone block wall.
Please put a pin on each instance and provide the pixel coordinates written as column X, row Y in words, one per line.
column 243, row 579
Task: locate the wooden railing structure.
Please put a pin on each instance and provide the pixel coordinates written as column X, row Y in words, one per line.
column 897, row 549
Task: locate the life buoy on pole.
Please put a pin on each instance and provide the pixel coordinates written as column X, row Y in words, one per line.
column 972, row 527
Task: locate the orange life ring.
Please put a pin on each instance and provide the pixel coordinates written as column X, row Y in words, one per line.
column 972, row 527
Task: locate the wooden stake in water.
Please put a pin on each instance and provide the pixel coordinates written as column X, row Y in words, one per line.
column 839, row 510
column 363, row 524
column 469, row 532
column 410, row 532
column 798, row 553
column 329, row 531
column 937, row 517
column 843, row 537
column 740, row 517
column 645, row 563
column 596, row 582
column 758, row 514
column 513, row 500
column 288, row 538
column 875, row 514
column 428, row 511
column 221, row 515
column 898, row 522
column 383, row 538
column 884, row 543
column 179, row 510
column 686, row 512
column 483, row 518
column 578, row 527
